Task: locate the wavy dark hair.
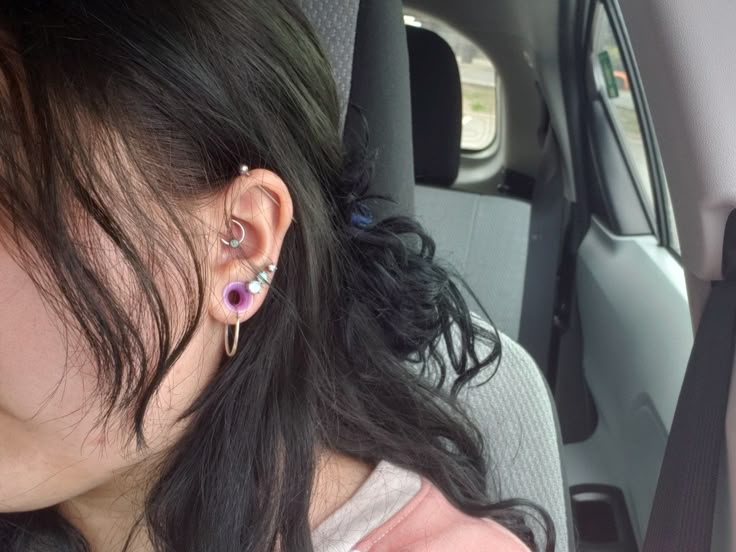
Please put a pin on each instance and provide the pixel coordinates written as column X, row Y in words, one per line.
column 172, row 96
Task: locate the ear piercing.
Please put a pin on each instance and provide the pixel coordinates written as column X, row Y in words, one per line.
column 263, row 277
column 235, row 242
column 238, row 298
column 244, row 170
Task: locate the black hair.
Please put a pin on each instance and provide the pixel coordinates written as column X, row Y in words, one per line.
column 113, row 107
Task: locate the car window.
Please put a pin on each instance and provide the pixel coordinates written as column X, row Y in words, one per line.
column 674, row 238
column 615, row 79
column 478, row 77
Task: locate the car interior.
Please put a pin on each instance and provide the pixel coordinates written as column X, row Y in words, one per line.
column 545, row 146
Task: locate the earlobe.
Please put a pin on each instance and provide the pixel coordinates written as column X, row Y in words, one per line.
column 238, row 297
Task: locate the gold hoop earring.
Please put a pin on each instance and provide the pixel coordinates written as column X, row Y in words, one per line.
column 231, row 349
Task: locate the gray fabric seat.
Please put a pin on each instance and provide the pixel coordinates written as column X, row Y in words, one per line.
column 516, row 414
column 515, row 410
column 485, row 239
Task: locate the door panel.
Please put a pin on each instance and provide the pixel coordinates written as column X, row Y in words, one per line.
column 637, row 338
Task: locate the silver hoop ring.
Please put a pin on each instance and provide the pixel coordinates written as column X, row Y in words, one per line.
column 233, row 242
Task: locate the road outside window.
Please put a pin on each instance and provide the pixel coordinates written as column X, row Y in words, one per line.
column 478, row 77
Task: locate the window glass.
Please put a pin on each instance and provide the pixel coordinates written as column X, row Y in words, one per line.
column 674, row 241
column 613, row 77
column 478, row 77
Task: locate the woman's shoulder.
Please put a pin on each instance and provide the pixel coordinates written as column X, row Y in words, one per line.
column 429, row 523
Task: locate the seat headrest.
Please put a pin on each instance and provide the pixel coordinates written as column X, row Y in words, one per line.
column 380, row 99
column 335, row 21
column 366, row 43
column 437, row 104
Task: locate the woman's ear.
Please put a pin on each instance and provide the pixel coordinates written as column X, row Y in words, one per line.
column 258, row 212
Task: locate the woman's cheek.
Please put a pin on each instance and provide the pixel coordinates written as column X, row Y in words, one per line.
column 39, row 368
column 50, row 447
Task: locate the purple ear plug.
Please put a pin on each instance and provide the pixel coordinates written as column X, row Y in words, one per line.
column 237, row 297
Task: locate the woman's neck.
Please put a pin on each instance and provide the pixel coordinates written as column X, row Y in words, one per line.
column 337, row 479
column 108, row 515
column 107, row 519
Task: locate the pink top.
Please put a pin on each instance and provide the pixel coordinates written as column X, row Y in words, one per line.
column 397, row 511
column 429, row 523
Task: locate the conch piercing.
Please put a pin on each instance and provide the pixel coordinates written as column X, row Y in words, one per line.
column 256, row 286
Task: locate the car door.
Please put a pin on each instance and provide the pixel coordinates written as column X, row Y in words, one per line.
column 630, row 290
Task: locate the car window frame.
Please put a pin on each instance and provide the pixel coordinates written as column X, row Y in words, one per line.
column 660, row 217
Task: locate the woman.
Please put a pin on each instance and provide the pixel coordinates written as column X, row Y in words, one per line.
column 206, row 341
